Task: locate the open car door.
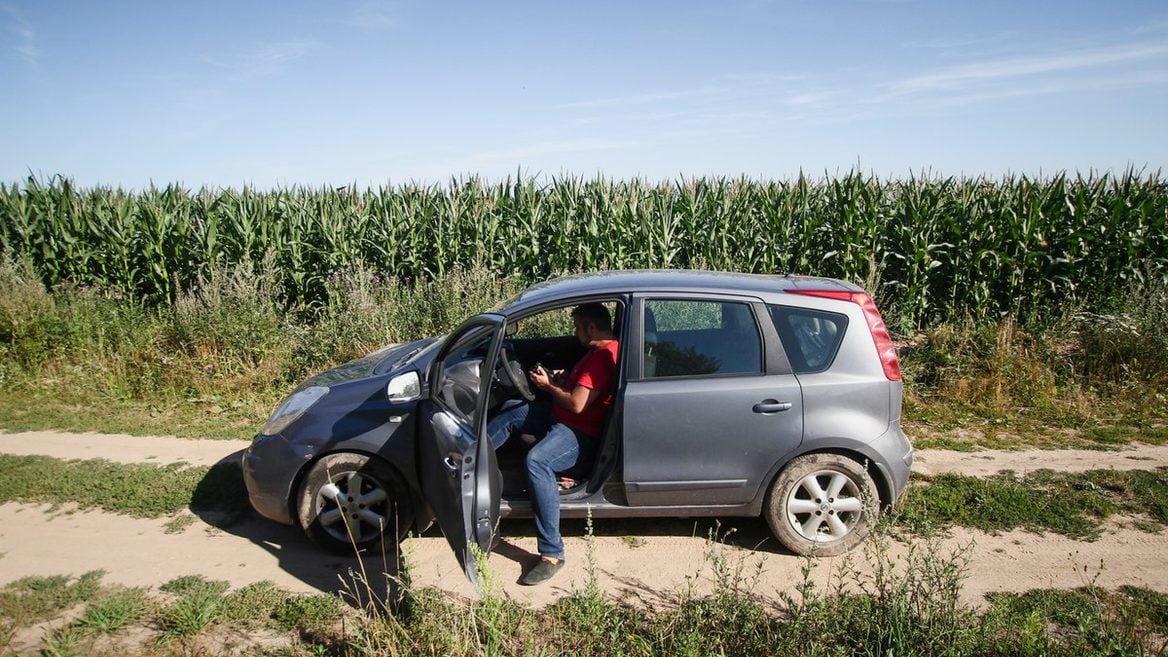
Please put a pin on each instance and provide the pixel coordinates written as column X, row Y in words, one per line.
column 457, row 465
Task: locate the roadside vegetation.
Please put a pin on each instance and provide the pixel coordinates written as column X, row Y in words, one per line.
column 872, row 604
column 219, row 358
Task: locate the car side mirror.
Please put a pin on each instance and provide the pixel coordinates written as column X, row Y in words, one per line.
column 511, row 329
column 404, row 387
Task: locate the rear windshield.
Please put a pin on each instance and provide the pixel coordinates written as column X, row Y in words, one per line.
column 811, row 338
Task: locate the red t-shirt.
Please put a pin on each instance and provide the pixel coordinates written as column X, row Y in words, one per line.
column 595, row 371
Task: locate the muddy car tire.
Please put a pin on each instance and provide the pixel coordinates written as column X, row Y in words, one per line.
column 352, row 502
column 822, row 504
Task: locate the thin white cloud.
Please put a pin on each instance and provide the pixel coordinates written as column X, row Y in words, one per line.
column 810, row 98
column 1002, row 69
column 550, row 147
column 626, row 117
column 759, row 79
column 958, row 43
column 645, row 98
column 1120, row 81
column 266, row 59
column 375, row 14
column 25, row 41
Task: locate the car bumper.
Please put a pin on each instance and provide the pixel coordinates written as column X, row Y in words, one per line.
column 895, row 458
column 270, row 467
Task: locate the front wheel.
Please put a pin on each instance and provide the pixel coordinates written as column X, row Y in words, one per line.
column 350, row 502
column 822, row 504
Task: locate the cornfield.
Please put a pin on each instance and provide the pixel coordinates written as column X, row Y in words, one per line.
column 932, row 249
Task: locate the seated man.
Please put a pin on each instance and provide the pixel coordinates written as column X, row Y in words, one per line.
column 567, row 428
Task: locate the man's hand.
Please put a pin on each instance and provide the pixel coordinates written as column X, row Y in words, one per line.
column 575, row 400
column 539, row 378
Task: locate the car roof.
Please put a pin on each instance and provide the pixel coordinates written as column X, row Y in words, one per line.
column 669, row 280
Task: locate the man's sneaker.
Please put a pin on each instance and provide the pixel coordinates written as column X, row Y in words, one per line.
column 542, row 572
column 567, row 482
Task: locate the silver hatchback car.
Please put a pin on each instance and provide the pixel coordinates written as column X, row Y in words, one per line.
column 736, row 395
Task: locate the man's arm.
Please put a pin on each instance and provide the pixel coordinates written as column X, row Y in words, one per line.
column 575, row 400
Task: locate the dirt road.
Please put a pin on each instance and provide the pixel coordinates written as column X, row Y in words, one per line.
column 645, row 561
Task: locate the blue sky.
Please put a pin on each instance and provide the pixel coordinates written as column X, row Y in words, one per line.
column 318, row 93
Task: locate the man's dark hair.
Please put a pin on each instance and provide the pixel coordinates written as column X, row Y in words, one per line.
column 594, row 313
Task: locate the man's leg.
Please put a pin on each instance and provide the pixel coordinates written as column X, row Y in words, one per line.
column 558, row 451
column 531, row 417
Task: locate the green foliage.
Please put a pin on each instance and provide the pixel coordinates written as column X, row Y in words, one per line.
column 253, row 604
column 879, row 601
column 935, row 249
column 308, row 613
column 36, row 598
column 1089, row 620
column 65, row 642
column 198, row 604
column 114, row 610
column 1101, row 375
column 1072, row 504
column 213, row 363
column 140, row 490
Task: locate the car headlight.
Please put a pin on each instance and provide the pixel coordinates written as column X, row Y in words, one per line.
column 292, row 408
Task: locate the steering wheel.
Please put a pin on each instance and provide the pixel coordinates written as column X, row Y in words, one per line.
column 510, row 374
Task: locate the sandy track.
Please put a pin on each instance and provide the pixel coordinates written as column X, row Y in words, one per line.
column 664, row 559
column 646, row 560
column 982, row 463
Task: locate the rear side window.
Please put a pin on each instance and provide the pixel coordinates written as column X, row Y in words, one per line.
column 811, row 338
column 700, row 338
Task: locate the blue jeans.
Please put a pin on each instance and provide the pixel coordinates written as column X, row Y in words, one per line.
column 560, row 448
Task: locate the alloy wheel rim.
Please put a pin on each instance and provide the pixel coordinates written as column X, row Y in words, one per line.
column 824, row 506
column 353, row 504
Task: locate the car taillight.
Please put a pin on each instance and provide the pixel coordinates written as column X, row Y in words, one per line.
column 875, row 325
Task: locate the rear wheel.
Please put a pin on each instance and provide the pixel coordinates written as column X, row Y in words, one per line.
column 350, row 501
column 822, row 504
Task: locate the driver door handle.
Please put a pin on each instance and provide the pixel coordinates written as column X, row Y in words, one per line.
column 768, row 406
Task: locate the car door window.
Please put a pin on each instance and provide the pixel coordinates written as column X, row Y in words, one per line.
column 699, row 338
column 458, row 387
column 811, row 338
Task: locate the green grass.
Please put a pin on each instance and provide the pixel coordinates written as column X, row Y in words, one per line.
column 875, row 605
column 1072, row 504
column 1089, row 618
column 880, row 605
column 199, row 603
column 314, row 614
column 50, row 405
column 114, row 610
column 35, row 598
column 189, row 607
column 143, row 491
column 252, row 604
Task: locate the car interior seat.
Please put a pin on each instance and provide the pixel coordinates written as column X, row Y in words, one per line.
column 738, row 331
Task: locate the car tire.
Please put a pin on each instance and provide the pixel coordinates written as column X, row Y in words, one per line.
column 822, row 504
column 351, row 502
